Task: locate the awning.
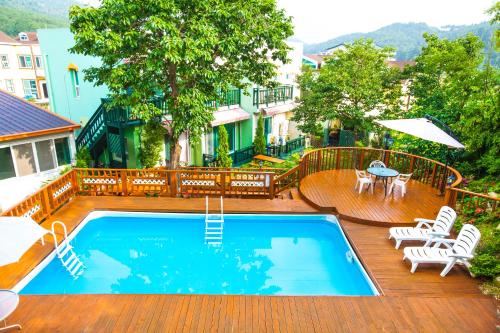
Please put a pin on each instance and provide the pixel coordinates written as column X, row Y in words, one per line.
column 227, row 116
column 17, row 235
column 421, row 128
column 277, row 109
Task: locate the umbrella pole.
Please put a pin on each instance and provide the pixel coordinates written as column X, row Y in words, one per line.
column 443, row 183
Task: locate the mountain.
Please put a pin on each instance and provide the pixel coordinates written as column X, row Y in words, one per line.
column 51, row 8
column 407, row 38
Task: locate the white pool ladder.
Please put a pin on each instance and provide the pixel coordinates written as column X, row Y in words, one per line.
column 214, row 225
column 65, row 253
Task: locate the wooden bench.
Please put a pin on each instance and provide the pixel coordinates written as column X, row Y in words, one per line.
column 268, row 159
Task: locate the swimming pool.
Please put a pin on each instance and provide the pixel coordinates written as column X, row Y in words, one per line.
column 150, row 253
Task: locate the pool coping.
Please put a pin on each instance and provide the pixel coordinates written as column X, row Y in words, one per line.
column 329, row 218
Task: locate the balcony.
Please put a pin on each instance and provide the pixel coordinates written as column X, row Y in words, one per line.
column 271, row 96
column 228, row 98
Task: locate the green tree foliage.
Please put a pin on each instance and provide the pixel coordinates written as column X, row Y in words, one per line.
column 223, row 159
column 259, row 142
column 13, row 21
column 494, row 11
column 352, row 83
column 186, row 51
column 151, row 143
column 450, row 83
column 83, row 158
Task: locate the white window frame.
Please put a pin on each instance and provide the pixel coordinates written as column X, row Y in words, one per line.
column 4, row 59
column 33, row 91
column 35, row 155
column 38, row 62
column 23, row 37
column 9, row 85
column 25, row 56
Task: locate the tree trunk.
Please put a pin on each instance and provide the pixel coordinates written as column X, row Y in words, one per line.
column 175, row 153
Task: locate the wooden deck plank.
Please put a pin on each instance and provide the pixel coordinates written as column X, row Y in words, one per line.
column 335, row 188
column 411, row 302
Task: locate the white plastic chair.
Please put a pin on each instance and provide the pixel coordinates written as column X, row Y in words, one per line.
column 426, row 230
column 363, row 179
column 377, row 164
column 457, row 250
column 400, row 181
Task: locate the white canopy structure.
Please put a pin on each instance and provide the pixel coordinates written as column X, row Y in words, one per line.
column 17, row 235
column 422, row 128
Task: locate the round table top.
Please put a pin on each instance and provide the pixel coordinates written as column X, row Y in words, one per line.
column 383, row 172
column 8, row 303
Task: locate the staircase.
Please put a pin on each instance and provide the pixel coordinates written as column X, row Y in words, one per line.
column 65, row 253
column 214, row 225
column 93, row 134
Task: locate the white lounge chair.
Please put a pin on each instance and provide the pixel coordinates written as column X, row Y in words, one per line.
column 400, row 181
column 458, row 250
column 377, row 164
column 426, row 230
column 363, row 179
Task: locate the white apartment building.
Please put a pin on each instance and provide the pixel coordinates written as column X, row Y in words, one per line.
column 21, row 67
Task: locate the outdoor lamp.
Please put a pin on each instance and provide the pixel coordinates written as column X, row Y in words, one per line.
column 388, row 141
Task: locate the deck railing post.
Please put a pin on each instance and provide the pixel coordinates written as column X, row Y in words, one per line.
column 123, row 177
column 222, row 183
column 433, row 176
column 450, row 197
column 271, row 185
column 361, row 159
column 318, row 160
column 46, row 202
column 412, row 164
column 173, row 183
column 387, row 156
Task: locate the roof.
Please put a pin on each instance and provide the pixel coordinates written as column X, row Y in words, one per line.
column 4, row 38
column 32, row 38
column 316, row 57
column 226, row 116
column 401, row 64
column 21, row 119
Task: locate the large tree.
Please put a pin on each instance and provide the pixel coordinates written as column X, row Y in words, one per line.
column 452, row 81
column 353, row 82
column 185, row 51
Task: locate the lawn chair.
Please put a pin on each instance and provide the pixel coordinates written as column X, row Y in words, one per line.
column 363, row 179
column 457, row 250
column 377, row 164
column 400, row 181
column 426, row 230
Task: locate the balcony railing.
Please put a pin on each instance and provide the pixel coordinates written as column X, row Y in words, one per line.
column 269, row 96
column 231, row 97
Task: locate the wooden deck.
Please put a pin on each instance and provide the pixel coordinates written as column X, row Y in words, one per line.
column 420, row 302
column 335, row 189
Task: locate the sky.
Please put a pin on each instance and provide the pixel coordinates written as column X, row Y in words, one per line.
column 320, row 20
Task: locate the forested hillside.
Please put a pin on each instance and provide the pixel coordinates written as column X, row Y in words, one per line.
column 407, row 37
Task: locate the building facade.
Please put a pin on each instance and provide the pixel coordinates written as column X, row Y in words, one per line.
column 21, row 67
column 35, row 145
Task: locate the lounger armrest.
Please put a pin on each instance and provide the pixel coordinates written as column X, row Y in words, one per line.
column 422, row 222
column 461, row 256
column 438, row 234
column 444, row 241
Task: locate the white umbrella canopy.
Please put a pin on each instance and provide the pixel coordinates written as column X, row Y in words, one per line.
column 17, row 235
column 422, row 128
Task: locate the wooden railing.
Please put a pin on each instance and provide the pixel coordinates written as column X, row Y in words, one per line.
column 467, row 201
column 48, row 199
column 425, row 170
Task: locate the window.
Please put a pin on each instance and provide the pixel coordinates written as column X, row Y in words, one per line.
column 6, row 164
column 29, row 87
column 25, row 61
column 4, row 59
column 23, row 36
column 9, row 86
column 38, row 62
column 75, row 82
column 62, row 151
column 25, row 159
column 45, row 155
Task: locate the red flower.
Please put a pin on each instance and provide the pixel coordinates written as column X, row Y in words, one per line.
column 471, row 221
column 478, row 210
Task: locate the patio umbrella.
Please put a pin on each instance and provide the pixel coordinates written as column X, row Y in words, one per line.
column 422, row 128
column 17, row 235
column 425, row 128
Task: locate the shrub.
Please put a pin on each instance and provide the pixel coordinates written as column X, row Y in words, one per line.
column 259, row 142
column 151, row 144
column 486, row 265
column 223, row 159
column 83, row 158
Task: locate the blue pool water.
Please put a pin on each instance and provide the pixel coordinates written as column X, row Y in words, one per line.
column 134, row 253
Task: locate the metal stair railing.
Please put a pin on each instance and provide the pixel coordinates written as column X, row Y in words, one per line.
column 214, row 225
